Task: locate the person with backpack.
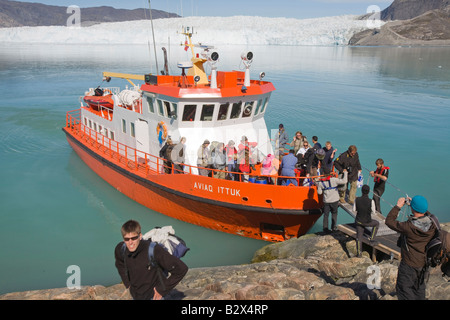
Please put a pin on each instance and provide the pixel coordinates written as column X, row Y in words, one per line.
column 139, row 275
column 416, row 233
column 329, row 188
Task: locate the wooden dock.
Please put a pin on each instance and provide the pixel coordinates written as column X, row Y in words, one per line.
column 386, row 237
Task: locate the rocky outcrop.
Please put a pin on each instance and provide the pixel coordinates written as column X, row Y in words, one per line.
column 429, row 29
column 312, row 267
column 409, row 9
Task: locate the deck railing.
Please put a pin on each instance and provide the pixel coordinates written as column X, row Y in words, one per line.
column 146, row 163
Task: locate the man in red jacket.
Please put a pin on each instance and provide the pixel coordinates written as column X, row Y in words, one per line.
column 145, row 281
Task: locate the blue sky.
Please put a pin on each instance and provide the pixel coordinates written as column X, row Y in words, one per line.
column 299, row 9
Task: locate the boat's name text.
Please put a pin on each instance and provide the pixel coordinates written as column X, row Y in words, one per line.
column 218, row 189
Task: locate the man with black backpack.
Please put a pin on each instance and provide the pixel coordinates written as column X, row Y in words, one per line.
column 416, row 234
column 140, row 273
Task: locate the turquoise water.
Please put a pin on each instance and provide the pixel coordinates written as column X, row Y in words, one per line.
column 55, row 212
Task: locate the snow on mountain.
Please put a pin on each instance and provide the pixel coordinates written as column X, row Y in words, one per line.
column 218, row 30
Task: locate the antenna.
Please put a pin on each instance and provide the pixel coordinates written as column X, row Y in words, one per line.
column 247, row 59
column 153, row 33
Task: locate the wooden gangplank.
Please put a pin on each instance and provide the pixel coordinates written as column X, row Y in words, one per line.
column 386, row 237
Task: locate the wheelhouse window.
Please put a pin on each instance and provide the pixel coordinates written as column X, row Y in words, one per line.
column 247, row 110
column 124, row 126
column 236, row 110
column 207, row 112
column 133, row 132
column 160, row 107
column 258, row 106
column 150, row 102
column 266, row 100
column 223, row 111
column 189, row 112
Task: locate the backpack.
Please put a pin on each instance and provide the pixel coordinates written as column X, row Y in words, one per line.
column 437, row 249
column 166, row 238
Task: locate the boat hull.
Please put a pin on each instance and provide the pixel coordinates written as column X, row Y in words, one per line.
column 259, row 223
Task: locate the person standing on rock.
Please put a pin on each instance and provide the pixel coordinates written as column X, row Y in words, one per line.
column 145, row 282
column 416, row 233
column 364, row 207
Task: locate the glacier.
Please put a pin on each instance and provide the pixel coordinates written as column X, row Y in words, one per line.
column 242, row 30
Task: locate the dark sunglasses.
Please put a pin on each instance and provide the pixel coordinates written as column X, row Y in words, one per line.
column 132, row 238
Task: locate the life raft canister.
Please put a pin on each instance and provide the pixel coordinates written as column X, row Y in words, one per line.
column 161, row 131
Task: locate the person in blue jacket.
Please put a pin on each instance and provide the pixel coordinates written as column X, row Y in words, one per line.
column 288, row 168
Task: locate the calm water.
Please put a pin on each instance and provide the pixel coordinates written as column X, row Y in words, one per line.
column 392, row 103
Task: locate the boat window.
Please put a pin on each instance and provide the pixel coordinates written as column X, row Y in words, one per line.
column 258, row 106
column 95, row 126
column 207, row 112
column 247, row 110
column 236, row 110
column 133, row 132
column 150, row 102
column 266, row 100
column 223, row 111
column 112, row 135
column 100, row 129
column 174, row 109
column 90, row 124
column 160, row 107
column 106, row 132
column 189, row 112
column 124, row 126
column 167, row 108
column 85, row 121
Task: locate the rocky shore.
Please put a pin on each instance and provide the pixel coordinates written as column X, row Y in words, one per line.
column 312, row 267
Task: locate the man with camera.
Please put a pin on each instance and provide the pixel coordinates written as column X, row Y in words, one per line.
column 416, row 232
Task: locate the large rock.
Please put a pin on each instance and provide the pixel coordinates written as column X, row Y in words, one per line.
column 312, row 267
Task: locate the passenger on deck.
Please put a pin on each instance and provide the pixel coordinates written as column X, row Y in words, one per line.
column 231, row 154
column 329, row 188
column 349, row 160
column 297, row 141
column 380, row 176
column 329, row 158
column 244, row 157
column 288, row 168
column 178, row 155
column 166, row 155
column 364, row 207
column 219, row 161
column 270, row 167
column 282, row 140
column 203, row 158
column 315, row 143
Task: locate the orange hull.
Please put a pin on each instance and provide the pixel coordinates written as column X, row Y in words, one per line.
column 266, row 212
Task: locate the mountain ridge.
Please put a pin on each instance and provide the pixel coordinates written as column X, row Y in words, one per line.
column 20, row 14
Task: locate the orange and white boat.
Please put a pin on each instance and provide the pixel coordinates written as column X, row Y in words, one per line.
column 121, row 141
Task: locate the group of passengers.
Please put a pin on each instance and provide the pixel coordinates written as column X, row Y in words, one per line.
column 227, row 161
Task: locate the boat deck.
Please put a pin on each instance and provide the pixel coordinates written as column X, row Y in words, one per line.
column 387, row 238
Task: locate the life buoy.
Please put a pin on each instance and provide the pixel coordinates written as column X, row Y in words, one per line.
column 161, row 130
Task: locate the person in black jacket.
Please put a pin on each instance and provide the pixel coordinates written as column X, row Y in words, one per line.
column 349, row 160
column 144, row 281
column 364, row 207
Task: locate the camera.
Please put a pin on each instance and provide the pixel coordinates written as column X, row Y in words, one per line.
column 407, row 201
